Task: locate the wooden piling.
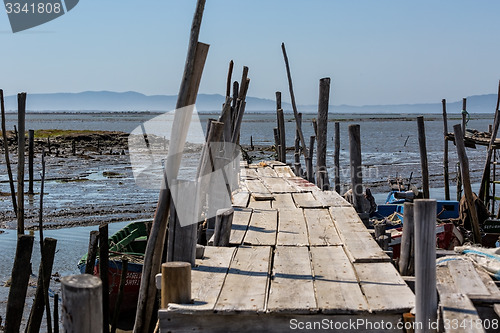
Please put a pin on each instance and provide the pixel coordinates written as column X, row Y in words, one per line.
column 229, row 78
column 21, row 116
column 42, row 288
column 309, row 161
column 175, row 283
column 407, row 241
column 336, row 158
column 469, row 196
column 324, row 99
column 294, row 106
column 195, row 61
column 223, row 223
column 446, row 175
column 31, row 153
column 81, row 303
column 278, row 100
column 103, row 274
column 56, row 313
column 119, row 299
column 282, row 135
column 6, row 152
column 483, row 190
column 459, row 183
column 92, row 252
column 464, row 115
column 425, row 264
column 277, row 147
column 19, row 283
column 423, row 156
column 356, row 167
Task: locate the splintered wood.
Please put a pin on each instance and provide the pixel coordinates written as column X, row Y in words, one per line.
column 296, row 251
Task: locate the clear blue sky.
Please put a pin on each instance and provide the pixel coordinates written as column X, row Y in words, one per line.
column 376, row 52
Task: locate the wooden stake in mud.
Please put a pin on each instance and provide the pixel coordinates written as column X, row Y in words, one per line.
column 483, row 190
column 423, row 156
column 103, row 274
column 31, row 148
column 425, row 263
column 81, row 304
column 464, row 115
column 445, row 156
column 469, row 196
column 294, row 106
column 21, row 115
column 336, row 157
column 188, row 91
column 7, row 159
column 20, row 277
column 356, row 167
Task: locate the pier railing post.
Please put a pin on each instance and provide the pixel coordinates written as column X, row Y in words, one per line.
column 223, row 223
column 407, row 241
column 425, row 264
column 81, row 303
column 322, row 123
column 175, row 283
column 356, row 168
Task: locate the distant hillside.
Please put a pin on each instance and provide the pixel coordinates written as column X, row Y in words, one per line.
column 133, row 101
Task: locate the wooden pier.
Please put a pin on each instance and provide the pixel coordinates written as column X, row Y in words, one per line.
column 298, row 256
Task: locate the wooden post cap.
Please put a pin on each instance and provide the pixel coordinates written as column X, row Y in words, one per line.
column 175, row 283
column 81, row 281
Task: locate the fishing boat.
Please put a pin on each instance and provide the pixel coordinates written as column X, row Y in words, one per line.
column 392, row 211
column 129, row 242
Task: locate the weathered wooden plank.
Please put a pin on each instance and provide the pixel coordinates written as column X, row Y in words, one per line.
column 459, row 314
column 335, row 281
column 266, row 172
column 331, row 199
column 301, row 184
column 320, row 228
column 466, row 278
column 307, row 200
column 292, row 229
column 292, row 288
column 259, row 204
column 262, row 228
column 359, row 244
column 384, row 289
column 249, row 173
column 278, row 185
column 241, row 219
column 284, row 171
column 246, row 284
column 283, row 200
column 240, row 199
column 207, row 278
column 256, row 186
column 274, row 164
column 176, row 322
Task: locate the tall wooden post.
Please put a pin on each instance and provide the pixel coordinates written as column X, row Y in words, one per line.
column 31, row 152
column 281, row 136
column 469, row 196
column 336, row 157
column 7, row 159
column 356, row 167
column 103, row 273
column 425, row 264
column 81, row 303
column 464, row 115
column 324, row 99
column 21, row 116
column 423, row 156
column 407, row 241
column 445, row 152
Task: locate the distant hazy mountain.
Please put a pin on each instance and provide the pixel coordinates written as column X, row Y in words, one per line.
column 133, row 101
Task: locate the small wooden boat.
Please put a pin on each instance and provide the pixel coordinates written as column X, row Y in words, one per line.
column 129, row 242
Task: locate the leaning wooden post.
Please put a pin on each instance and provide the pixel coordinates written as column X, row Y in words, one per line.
column 423, row 156
column 322, row 124
column 188, row 91
column 20, row 278
column 175, row 283
column 92, row 252
column 42, row 288
column 7, row 159
column 223, row 223
column 31, row 153
column 464, row 115
column 459, row 183
column 483, row 190
column 103, row 274
column 356, row 168
column 407, row 241
column 229, row 78
column 425, row 264
column 469, row 196
column 21, row 105
column 336, row 157
column 81, row 303
column 445, row 156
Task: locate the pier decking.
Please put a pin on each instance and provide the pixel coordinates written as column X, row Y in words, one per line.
column 298, row 256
